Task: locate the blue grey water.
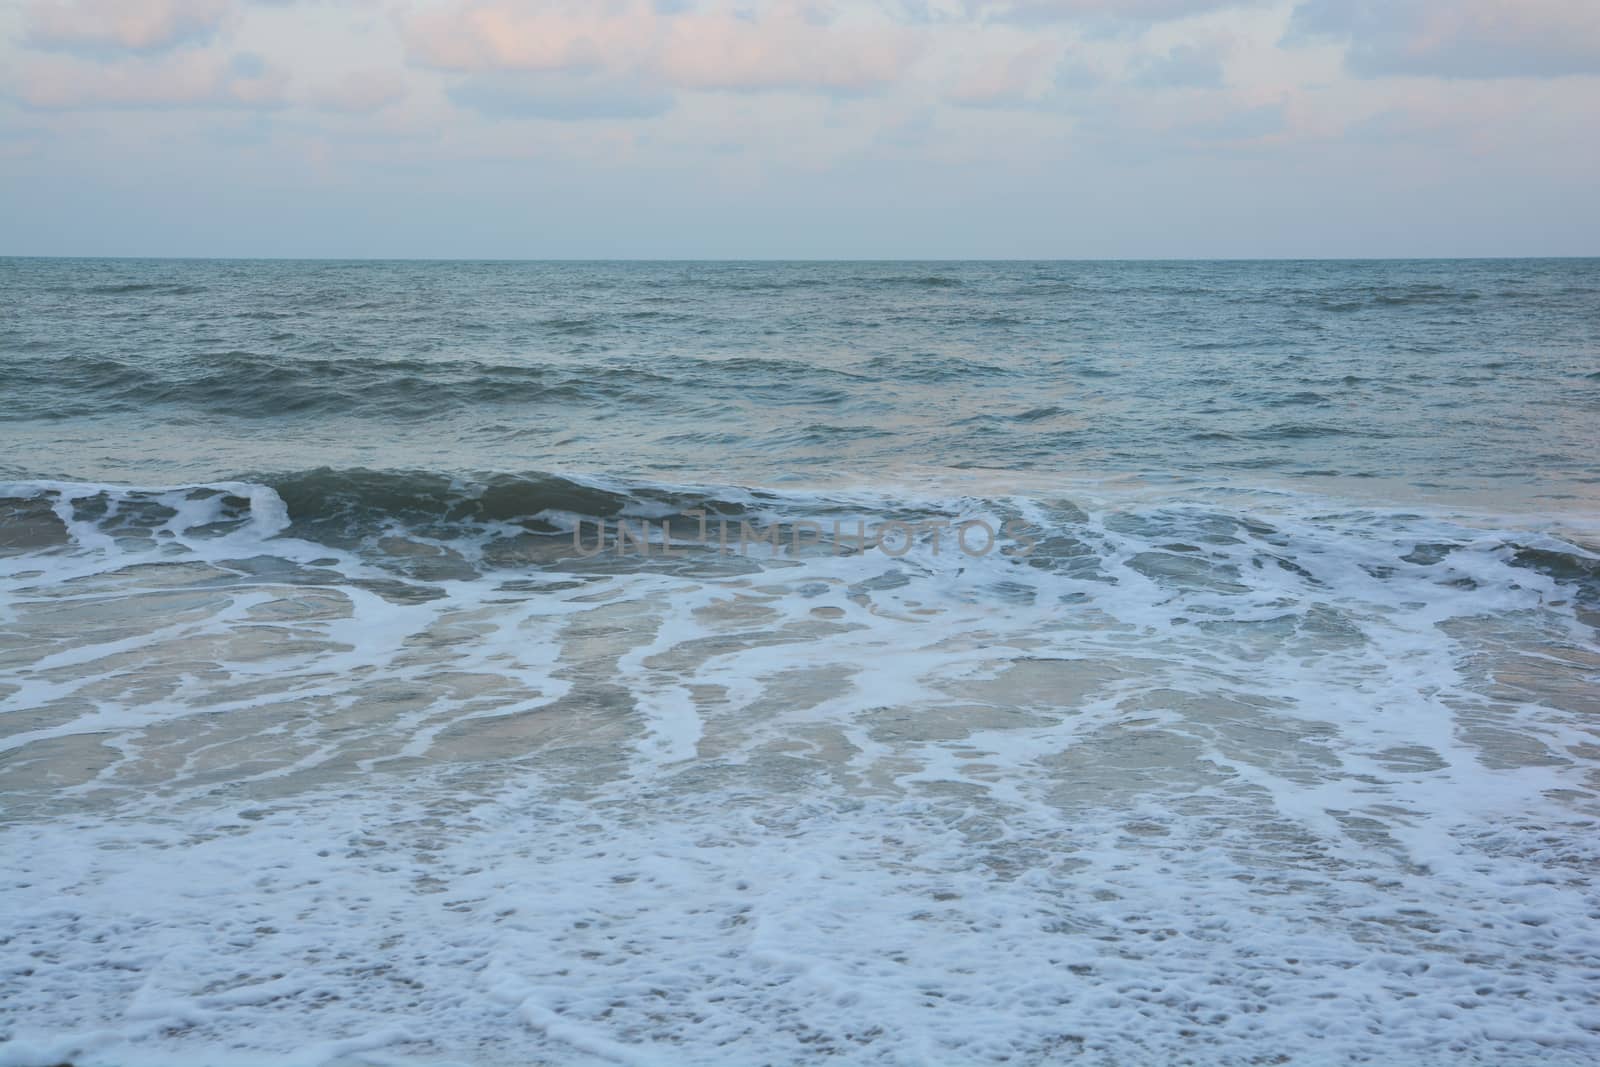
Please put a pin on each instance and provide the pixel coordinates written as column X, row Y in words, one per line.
column 1429, row 375
column 1262, row 725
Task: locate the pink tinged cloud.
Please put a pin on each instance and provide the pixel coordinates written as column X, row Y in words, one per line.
column 1099, row 10
column 786, row 45
column 476, row 37
column 1003, row 80
column 785, row 51
column 130, row 25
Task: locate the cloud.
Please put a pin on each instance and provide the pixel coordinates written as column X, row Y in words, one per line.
column 558, row 95
column 1006, row 80
column 361, row 92
column 1127, row 11
column 199, row 80
column 1186, row 66
column 1457, row 38
column 796, row 47
column 638, row 51
column 102, row 26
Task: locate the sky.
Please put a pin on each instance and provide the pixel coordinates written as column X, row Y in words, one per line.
column 553, row 129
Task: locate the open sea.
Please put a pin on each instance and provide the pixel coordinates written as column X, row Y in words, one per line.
column 497, row 664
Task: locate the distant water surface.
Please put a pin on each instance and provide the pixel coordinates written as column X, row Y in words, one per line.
column 1430, row 377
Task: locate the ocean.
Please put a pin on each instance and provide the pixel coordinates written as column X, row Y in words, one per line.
column 496, row 663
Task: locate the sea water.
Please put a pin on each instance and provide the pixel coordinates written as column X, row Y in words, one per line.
column 748, row 663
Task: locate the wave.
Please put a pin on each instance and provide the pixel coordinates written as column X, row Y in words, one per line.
column 248, row 384
column 914, row 281
column 1038, row 414
column 1397, row 297
column 1290, row 431
column 253, row 385
column 472, row 523
column 131, row 288
column 771, row 286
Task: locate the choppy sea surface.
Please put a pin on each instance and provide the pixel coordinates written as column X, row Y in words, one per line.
column 1025, row 663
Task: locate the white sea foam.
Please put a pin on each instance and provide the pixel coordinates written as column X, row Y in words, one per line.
column 1277, row 780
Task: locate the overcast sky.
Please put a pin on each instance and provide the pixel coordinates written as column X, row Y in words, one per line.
column 790, row 128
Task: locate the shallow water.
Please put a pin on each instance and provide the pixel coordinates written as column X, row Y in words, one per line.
column 1265, row 730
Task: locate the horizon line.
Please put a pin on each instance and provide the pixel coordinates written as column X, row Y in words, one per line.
column 791, row 259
